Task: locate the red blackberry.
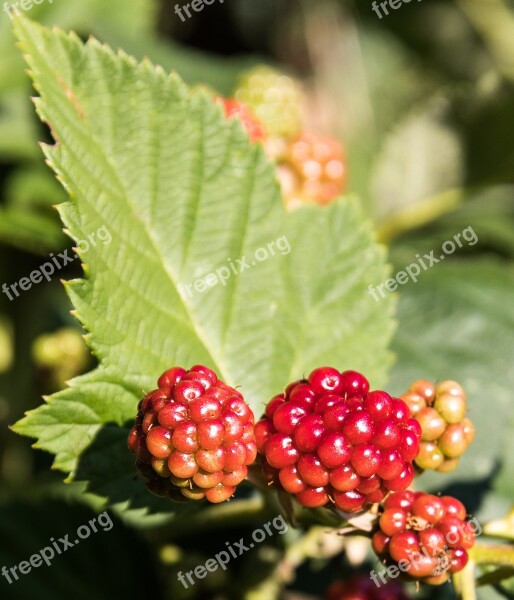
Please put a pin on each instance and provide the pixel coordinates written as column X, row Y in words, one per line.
column 446, row 431
column 238, row 110
column 426, row 531
column 193, row 436
column 361, row 587
column 328, row 439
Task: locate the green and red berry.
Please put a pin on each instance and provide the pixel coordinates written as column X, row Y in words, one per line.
column 427, row 532
column 329, row 440
column 276, row 100
column 312, row 170
column 193, row 436
column 446, row 431
column 238, row 110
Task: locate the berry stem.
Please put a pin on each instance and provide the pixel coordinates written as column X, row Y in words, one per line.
column 464, row 582
column 493, row 554
column 501, row 528
column 495, row 576
column 234, row 513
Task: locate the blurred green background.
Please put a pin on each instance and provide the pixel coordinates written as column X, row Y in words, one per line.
column 423, row 101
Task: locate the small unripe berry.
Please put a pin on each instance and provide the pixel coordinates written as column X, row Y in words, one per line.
column 430, row 456
column 469, row 429
column 423, row 388
column 415, row 402
column 443, row 422
column 450, row 387
column 448, row 465
column 432, row 424
column 453, row 442
column 451, row 408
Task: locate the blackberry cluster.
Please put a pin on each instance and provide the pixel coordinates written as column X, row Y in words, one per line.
column 193, row 436
column 360, row 587
column 312, row 169
column 446, row 431
column 427, row 532
column 328, row 439
column 275, row 99
column 238, row 110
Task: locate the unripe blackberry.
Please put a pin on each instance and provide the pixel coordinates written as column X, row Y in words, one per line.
column 415, row 402
column 193, row 436
column 446, row 431
column 361, row 587
column 428, row 532
column 238, row 110
column 275, row 99
column 311, row 169
column 329, row 440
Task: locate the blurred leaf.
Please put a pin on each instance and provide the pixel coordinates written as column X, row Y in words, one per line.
column 182, row 191
column 34, row 187
column 27, row 528
column 115, row 20
column 17, row 127
column 29, row 230
column 490, row 213
column 457, row 323
column 6, row 344
column 364, row 81
column 494, row 20
column 501, row 527
column 484, row 119
column 421, row 159
column 28, row 221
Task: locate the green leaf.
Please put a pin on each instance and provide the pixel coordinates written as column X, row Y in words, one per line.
column 457, row 323
column 182, row 192
column 494, row 21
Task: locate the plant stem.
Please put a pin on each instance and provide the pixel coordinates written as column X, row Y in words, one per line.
column 238, row 512
column 464, row 582
column 493, row 554
column 495, row 576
